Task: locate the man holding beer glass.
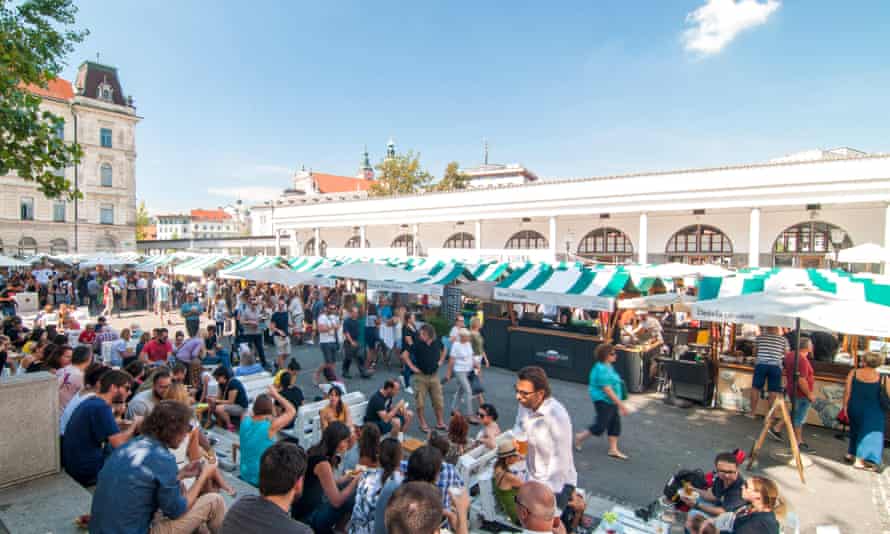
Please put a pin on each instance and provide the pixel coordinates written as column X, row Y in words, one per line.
column 544, row 431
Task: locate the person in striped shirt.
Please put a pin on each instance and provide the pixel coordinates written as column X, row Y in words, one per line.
column 770, row 348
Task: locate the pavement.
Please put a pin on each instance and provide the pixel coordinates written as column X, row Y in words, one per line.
column 661, row 439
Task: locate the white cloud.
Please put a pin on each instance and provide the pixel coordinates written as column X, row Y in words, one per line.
column 718, row 22
column 250, row 194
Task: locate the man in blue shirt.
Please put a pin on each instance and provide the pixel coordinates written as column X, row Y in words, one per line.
column 191, row 311
column 92, row 425
column 141, row 478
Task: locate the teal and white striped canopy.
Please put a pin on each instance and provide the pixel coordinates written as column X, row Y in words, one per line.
column 252, row 263
column 563, row 285
column 420, row 277
column 840, row 284
column 201, row 265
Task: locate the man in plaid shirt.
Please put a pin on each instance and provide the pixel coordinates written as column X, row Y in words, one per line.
column 448, row 475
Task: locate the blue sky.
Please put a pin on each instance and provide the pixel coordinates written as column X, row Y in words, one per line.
column 235, row 95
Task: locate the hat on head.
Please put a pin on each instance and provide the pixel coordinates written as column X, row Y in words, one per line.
column 507, row 449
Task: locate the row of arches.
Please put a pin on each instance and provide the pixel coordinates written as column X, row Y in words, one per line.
column 802, row 243
column 27, row 246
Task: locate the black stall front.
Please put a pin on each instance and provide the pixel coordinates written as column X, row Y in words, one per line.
column 564, row 354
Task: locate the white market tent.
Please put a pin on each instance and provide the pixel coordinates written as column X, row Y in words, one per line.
column 7, row 262
column 201, row 265
column 657, row 302
column 816, row 310
column 563, row 285
column 248, row 264
column 427, row 278
column 865, row 253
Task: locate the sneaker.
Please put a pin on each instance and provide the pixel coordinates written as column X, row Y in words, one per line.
column 402, row 381
column 805, row 447
column 774, row 434
column 409, row 390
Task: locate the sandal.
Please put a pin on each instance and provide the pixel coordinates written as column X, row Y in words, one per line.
column 618, row 456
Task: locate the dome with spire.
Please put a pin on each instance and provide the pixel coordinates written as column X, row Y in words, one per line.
column 390, row 149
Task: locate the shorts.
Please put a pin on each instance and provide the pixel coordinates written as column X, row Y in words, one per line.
column 371, row 336
column 329, row 351
column 386, row 426
column 771, row 375
column 233, row 410
column 801, row 407
column 282, row 343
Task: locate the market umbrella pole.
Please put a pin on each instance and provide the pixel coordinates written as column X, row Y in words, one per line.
column 796, row 374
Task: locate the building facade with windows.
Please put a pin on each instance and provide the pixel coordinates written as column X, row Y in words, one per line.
column 103, row 121
column 797, row 211
column 198, row 224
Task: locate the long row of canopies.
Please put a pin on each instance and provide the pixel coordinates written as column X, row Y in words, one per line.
column 822, row 299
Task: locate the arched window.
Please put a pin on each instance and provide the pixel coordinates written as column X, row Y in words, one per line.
column 406, row 241
column 309, row 248
column 356, row 242
column 58, row 246
column 607, row 245
column 106, row 243
column 106, row 174
column 526, row 239
column 699, row 243
column 806, row 244
column 27, row 246
column 460, row 240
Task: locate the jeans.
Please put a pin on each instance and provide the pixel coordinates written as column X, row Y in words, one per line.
column 353, row 352
column 222, row 358
column 463, row 390
column 192, row 326
column 257, row 341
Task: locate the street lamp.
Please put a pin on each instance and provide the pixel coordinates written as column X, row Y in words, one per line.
column 837, row 236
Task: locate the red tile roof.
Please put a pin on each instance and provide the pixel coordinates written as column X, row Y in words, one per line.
column 331, row 183
column 213, row 215
column 55, row 88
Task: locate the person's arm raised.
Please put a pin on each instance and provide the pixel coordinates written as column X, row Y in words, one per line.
column 285, row 418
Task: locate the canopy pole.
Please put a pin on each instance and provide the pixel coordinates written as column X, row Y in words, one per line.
column 796, row 374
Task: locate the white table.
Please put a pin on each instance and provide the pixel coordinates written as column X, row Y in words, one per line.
column 631, row 524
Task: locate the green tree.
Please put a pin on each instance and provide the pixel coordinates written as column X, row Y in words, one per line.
column 35, row 37
column 143, row 221
column 452, row 180
column 401, row 174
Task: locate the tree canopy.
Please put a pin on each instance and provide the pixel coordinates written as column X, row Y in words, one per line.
column 400, row 175
column 452, row 180
column 143, row 221
column 35, row 37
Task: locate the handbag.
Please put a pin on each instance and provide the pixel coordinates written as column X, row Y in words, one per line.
column 843, row 418
column 883, row 397
column 476, row 384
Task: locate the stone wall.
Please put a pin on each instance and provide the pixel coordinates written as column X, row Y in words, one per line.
column 29, row 442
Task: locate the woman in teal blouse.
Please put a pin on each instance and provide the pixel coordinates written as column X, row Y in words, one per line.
column 606, row 391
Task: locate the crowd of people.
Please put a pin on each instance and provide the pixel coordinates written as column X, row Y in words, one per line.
column 130, row 429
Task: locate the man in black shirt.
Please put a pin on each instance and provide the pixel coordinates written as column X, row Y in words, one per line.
column 351, row 346
column 428, row 356
column 282, row 468
column 290, row 390
column 380, row 411
column 726, row 493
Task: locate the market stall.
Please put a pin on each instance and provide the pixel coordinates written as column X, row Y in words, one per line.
column 824, row 302
column 202, row 265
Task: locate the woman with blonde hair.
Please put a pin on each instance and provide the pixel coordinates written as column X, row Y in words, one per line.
column 764, row 510
column 863, row 406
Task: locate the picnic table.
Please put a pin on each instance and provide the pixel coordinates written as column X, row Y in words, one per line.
column 631, row 524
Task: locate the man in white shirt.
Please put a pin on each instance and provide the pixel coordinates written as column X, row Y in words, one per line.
column 328, row 324
column 548, row 430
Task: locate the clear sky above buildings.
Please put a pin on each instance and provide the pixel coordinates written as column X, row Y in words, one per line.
column 236, row 95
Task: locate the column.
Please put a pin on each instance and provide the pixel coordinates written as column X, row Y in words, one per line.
column 277, row 244
column 361, row 237
column 414, row 231
column 553, row 238
column 478, row 235
column 754, row 238
column 317, row 248
column 294, row 245
column 644, row 239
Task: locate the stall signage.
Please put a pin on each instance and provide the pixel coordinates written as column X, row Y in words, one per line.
column 552, row 357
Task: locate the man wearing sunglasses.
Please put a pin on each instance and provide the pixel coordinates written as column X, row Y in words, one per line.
column 726, row 493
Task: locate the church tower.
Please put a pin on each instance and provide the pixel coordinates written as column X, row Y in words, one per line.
column 366, row 171
column 390, row 149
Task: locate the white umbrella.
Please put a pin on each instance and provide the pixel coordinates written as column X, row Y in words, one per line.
column 285, row 277
column 6, row 262
column 815, row 309
column 659, row 301
column 866, row 253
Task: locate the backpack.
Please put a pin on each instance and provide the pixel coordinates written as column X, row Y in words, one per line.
column 696, row 477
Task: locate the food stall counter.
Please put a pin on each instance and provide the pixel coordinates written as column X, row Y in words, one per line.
column 564, row 354
column 634, row 364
